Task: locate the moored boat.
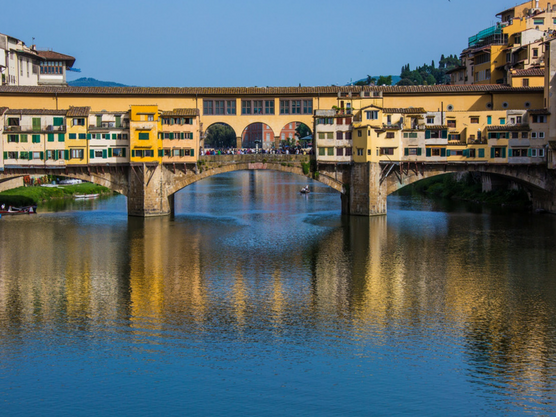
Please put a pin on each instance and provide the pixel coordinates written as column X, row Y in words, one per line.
column 85, row 196
column 18, row 210
column 305, row 190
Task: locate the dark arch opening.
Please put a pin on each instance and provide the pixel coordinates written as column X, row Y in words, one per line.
column 258, row 135
column 296, row 135
column 220, row 136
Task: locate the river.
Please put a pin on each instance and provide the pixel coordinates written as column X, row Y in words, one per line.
column 257, row 300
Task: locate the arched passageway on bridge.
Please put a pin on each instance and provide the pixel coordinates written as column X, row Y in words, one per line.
column 220, row 136
column 257, row 135
column 296, row 134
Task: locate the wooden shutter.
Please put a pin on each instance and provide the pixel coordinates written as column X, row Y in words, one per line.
column 428, row 152
column 419, row 151
column 118, row 121
column 51, row 137
column 192, row 152
column 61, row 137
column 104, row 154
column 427, row 134
column 510, row 153
column 443, row 152
column 5, row 155
column 406, row 151
column 503, row 154
column 92, row 154
column 67, row 154
column 492, row 152
column 123, row 152
column 481, row 153
column 109, row 152
column 42, row 156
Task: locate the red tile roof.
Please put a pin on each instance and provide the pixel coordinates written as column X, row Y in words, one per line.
column 55, row 56
column 264, row 91
column 181, row 112
column 531, row 72
column 37, row 112
column 78, row 111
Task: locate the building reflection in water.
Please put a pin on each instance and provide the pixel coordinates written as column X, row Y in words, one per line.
column 413, row 276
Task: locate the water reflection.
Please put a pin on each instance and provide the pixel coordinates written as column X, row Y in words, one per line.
column 464, row 295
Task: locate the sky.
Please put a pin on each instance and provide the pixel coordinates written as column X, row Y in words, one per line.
column 246, row 43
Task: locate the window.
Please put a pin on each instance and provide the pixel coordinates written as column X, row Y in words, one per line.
column 97, row 154
column 13, row 138
column 348, row 135
column 12, row 121
column 454, row 137
column 390, row 135
column 517, row 153
column 12, row 155
column 474, row 120
column 246, row 107
column 330, row 151
column 82, row 136
column 348, row 151
column 435, row 152
column 524, row 135
column 78, row 122
column 150, row 117
column 387, row 151
column 52, row 67
column 525, row 82
column 208, row 107
column 118, row 152
column 360, row 152
column 296, row 106
column 258, row 107
column 535, row 52
column 410, row 135
column 538, row 21
column 230, row 107
column 329, row 135
column 269, row 107
column 502, row 121
column 143, row 135
column 541, row 135
column 371, row 115
column 76, row 153
column 538, row 118
column 36, row 138
column 541, row 153
column 339, row 135
column 430, row 120
column 219, row 106
column 339, row 151
column 451, row 123
column 325, row 121
column 359, row 133
column 321, row 151
column 37, row 155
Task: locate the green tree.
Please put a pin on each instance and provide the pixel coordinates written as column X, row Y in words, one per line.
column 302, row 130
column 220, row 136
column 384, row 80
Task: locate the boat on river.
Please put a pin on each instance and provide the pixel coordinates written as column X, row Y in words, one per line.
column 85, row 196
column 305, row 190
column 18, row 210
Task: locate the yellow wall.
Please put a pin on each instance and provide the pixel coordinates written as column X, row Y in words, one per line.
column 144, row 120
column 77, row 144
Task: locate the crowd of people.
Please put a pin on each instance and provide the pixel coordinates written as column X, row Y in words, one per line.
column 251, row 151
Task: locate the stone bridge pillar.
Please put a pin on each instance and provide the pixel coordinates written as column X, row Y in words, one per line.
column 367, row 197
column 148, row 191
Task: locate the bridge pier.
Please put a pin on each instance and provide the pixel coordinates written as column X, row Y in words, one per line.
column 367, row 196
column 148, row 191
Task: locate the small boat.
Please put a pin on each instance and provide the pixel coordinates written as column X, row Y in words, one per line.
column 18, row 210
column 85, row 196
column 305, row 190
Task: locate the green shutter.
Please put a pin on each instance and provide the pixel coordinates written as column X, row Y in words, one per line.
column 30, row 155
column 428, row 151
column 104, row 154
column 444, row 134
column 51, row 137
column 489, row 120
column 492, row 152
column 36, row 124
column 58, row 121
column 406, row 151
column 118, row 121
column 67, row 154
column 510, row 152
column 171, row 136
column 160, row 152
column 503, row 152
column 443, row 152
column 42, row 156
column 192, row 152
column 109, row 152
column 55, row 155
column 114, row 136
column 448, row 152
column 133, row 153
column 5, row 155
column 123, row 152
column 61, row 137
column 92, row 154
column 427, row 134
column 419, row 151
column 89, row 136
column 481, row 153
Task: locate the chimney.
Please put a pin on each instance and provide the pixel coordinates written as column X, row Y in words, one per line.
column 536, row 4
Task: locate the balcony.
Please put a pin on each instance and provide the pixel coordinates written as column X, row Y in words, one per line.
column 36, row 129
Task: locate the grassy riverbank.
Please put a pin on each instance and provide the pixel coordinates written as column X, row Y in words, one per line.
column 24, row 196
column 467, row 189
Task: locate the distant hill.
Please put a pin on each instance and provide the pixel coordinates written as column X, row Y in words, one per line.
column 91, row 82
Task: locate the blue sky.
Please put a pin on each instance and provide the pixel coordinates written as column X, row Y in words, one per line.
column 217, row 43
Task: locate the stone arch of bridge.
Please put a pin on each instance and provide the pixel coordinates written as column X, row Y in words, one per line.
column 533, row 179
column 181, row 183
column 260, row 132
column 115, row 179
column 289, row 129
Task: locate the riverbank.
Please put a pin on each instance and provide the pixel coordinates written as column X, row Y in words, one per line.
column 24, row 196
column 468, row 188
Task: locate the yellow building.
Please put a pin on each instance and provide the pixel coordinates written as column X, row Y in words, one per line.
column 77, row 128
column 145, row 143
column 179, row 132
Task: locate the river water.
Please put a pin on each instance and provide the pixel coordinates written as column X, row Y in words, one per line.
column 256, row 300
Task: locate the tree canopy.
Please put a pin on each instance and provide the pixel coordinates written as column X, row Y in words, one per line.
column 220, row 136
column 429, row 74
